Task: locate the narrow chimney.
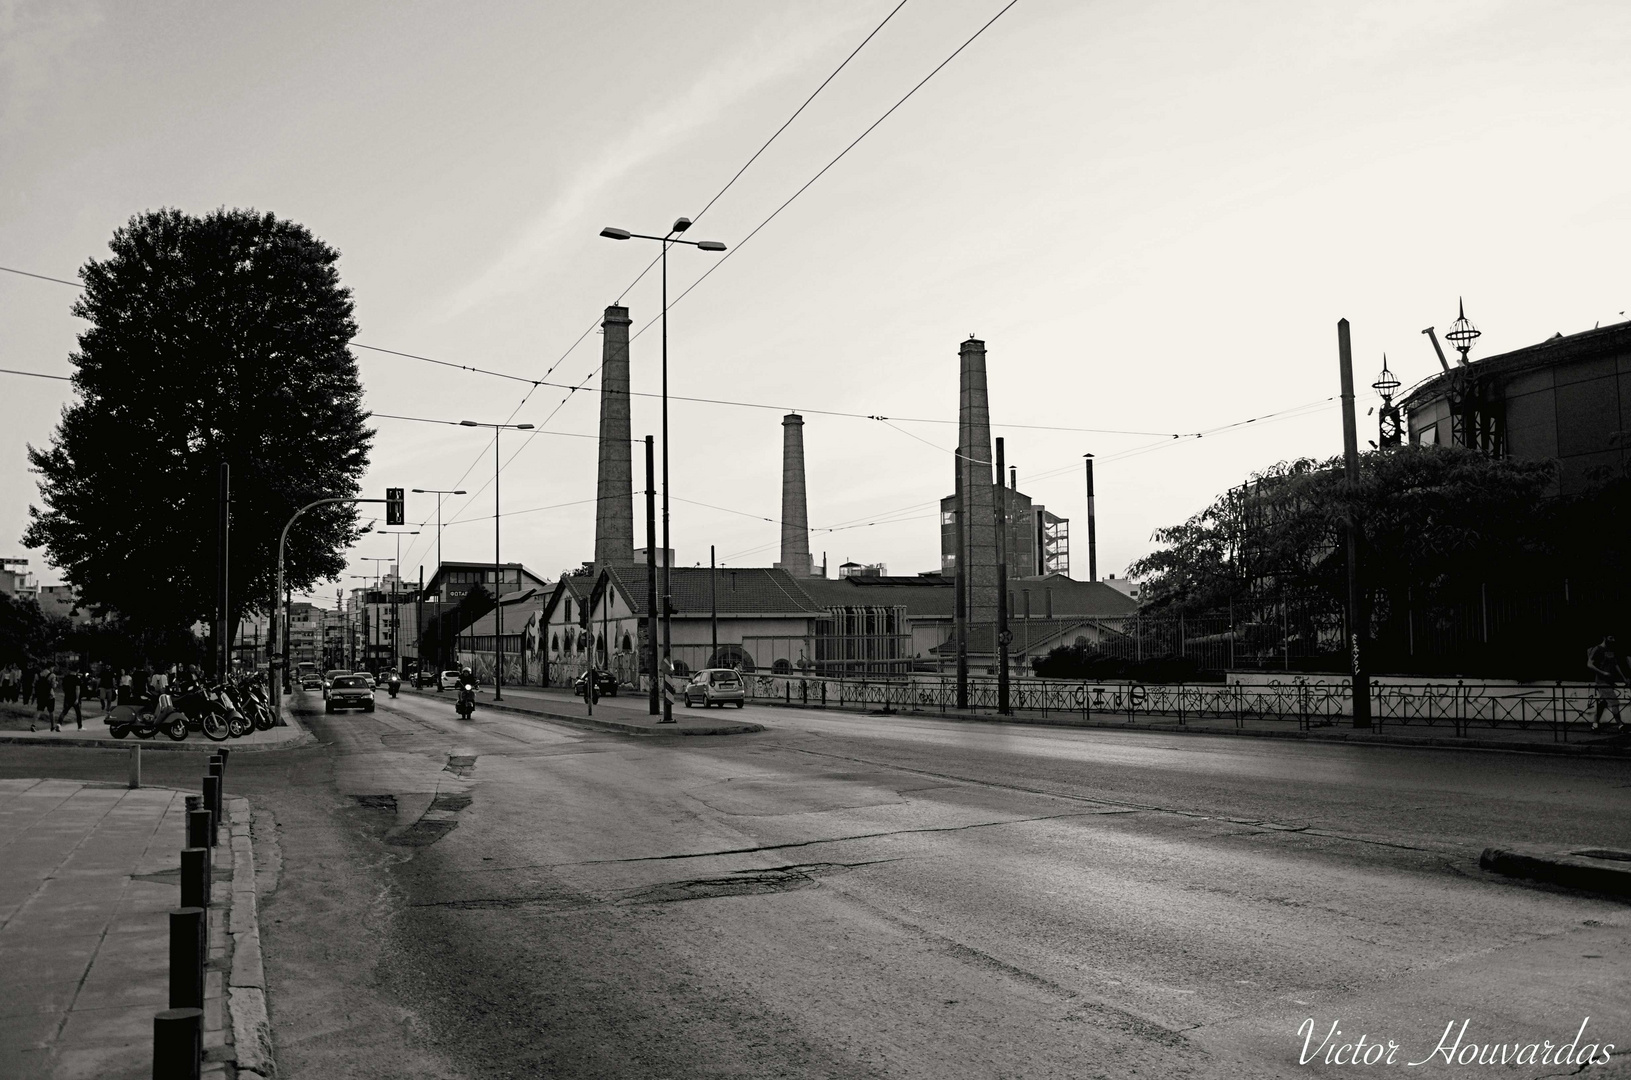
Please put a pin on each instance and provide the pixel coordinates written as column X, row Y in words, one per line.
column 979, row 504
column 795, row 510
column 614, row 508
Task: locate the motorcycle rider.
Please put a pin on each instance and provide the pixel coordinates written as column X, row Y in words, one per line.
column 393, row 682
column 467, row 688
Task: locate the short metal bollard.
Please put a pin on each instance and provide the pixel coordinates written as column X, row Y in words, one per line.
column 198, row 826
column 189, row 948
column 195, row 877
column 135, row 766
column 212, row 800
column 178, row 1044
column 223, row 754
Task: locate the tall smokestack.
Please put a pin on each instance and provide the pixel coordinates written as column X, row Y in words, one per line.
column 614, row 508
column 974, row 466
column 1092, row 526
column 795, row 509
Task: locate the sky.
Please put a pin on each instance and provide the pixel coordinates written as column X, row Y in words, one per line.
column 1153, row 213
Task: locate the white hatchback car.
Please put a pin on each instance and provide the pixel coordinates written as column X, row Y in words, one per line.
column 449, row 680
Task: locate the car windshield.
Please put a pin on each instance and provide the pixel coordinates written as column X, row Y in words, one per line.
column 335, row 672
column 350, row 682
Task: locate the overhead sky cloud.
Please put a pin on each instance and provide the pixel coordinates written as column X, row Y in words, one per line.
column 776, row 53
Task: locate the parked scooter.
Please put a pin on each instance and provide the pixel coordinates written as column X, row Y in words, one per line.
column 144, row 718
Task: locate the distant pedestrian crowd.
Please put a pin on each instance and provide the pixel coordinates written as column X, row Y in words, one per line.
column 55, row 690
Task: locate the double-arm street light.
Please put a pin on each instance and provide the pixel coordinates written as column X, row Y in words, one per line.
column 668, row 591
column 498, row 567
column 439, row 493
column 396, row 580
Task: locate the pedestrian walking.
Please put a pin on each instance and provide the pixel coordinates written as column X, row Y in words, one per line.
column 106, row 685
column 45, row 702
column 124, row 686
column 8, row 682
column 71, row 683
column 26, row 684
column 1608, row 666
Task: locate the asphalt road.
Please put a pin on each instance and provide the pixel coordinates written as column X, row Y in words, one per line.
column 857, row 896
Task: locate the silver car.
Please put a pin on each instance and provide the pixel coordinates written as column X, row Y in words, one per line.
column 716, row 686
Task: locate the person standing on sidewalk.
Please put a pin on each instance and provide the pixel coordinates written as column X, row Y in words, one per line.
column 106, row 680
column 71, row 682
column 1607, row 667
column 45, row 702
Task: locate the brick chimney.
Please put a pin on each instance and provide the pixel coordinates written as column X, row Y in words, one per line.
column 795, row 508
column 974, row 464
column 614, row 510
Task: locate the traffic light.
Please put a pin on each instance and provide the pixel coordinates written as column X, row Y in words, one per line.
column 395, row 513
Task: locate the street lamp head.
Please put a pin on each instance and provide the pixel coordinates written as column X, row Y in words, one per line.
column 710, row 245
column 461, row 491
column 523, row 427
column 681, row 224
column 615, row 234
column 418, row 491
column 468, row 423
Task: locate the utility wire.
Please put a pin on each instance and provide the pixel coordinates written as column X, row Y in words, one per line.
column 42, row 277
column 37, row 374
column 641, row 275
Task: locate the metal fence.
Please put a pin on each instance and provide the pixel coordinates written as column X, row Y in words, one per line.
column 1454, row 707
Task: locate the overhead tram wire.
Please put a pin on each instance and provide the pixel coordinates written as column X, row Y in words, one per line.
column 640, row 276
column 36, row 374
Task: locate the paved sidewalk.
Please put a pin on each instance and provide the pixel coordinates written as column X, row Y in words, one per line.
column 627, row 715
column 91, row 872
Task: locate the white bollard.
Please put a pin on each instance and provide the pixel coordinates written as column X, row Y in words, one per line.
column 135, row 766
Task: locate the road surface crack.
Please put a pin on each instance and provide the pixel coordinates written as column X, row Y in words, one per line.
column 1127, row 807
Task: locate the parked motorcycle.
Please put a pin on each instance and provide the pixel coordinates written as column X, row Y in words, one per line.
column 145, row 717
column 467, row 700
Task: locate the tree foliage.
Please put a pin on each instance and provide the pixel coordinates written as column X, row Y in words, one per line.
column 1428, row 516
column 212, row 339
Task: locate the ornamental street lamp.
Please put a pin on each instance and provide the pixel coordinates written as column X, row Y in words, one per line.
column 1387, row 417
column 498, row 567
column 1463, row 333
column 611, row 233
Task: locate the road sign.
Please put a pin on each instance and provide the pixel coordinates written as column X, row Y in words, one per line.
column 395, row 513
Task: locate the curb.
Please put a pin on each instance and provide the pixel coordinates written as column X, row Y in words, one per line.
column 245, row 983
column 1355, row 738
column 185, row 746
column 1591, row 869
column 617, row 727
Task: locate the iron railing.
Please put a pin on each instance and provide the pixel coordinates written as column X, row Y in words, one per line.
column 1455, row 707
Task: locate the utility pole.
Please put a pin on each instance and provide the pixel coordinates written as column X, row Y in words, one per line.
column 223, row 631
column 713, row 605
column 1357, row 621
column 1004, row 707
column 1092, row 527
column 960, row 585
column 651, row 577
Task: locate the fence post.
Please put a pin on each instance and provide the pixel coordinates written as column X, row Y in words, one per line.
column 1460, row 705
column 1180, row 681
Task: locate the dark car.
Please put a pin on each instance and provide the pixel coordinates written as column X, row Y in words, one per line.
column 350, row 692
column 605, row 683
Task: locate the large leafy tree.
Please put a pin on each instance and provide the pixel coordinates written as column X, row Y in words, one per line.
column 212, row 339
column 1428, row 516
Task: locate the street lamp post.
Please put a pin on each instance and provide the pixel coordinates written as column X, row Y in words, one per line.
column 611, row 233
column 376, row 561
column 396, row 579
column 438, row 492
column 498, row 567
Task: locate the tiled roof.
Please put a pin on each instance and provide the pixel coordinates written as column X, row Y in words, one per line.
column 1094, row 599
column 1030, row 635
column 922, row 597
column 739, row 590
